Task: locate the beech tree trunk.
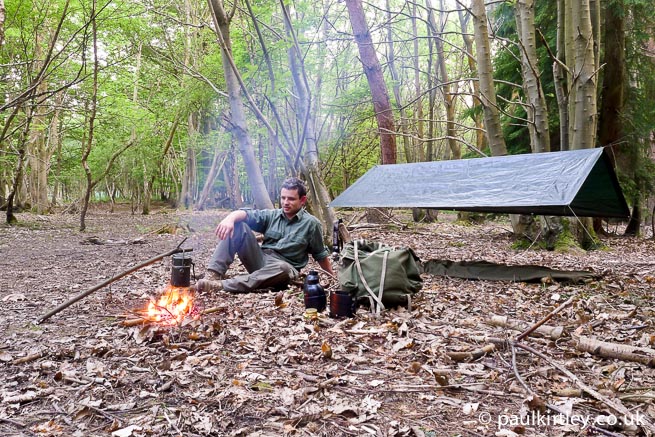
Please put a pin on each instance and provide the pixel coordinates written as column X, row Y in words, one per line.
column 373, row 71
column 559, row 77
column 485, row 74
column 480, row 139
column 537, row 111
column 583, row 108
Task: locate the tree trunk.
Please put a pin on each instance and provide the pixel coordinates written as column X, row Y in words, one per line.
column 38, row 157
column 487, row 90
column 318, row 192
column 537, row 111
column 55, row 126
column 584, row 109
column 147, row 192
column 189, row 179
column 610, row 130
column 216, row 167
column 418, row 105
column 455, row 151
column 2, row 23
column 238, row 117
column 18, row 175
column 395, row 77
column 91, row 122
column 559, row 77
column 373, row 71
column 480, row 139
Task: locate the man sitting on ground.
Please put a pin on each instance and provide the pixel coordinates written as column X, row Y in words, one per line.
column 290, row 235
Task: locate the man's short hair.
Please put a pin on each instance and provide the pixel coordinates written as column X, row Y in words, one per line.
column 295, row 184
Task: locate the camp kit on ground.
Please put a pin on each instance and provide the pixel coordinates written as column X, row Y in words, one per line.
column 379, row 276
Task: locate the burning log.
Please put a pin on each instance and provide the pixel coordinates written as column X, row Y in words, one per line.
column 109, row 281
column 145, row 319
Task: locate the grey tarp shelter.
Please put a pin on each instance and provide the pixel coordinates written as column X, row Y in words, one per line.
column 578, row 182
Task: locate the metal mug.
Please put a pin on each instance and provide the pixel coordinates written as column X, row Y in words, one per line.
column 341, row 304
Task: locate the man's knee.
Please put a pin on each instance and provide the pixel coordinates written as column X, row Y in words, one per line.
column 288, row 270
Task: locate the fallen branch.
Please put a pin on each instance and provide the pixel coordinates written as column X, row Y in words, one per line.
column 29, row 358
column 622, row 352
column 500, row 343
column 614, row 404
column 27, row 397
column 12, row 422
column 465, row 357
column 552, row 332
column 109, row 281
column 540, row 324
column 537, row 403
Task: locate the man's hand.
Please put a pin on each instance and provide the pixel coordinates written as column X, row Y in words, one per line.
column 225, row 228
column 326, row 265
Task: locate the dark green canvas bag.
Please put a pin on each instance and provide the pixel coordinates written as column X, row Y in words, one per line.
column 379, row 275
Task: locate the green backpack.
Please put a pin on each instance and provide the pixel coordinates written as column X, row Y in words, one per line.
column 379, row 276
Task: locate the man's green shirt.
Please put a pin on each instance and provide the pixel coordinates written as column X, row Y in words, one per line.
column 292, row 239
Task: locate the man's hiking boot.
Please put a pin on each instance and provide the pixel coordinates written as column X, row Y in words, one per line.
column 207, row 286
column 212, row 275
column 212, row 282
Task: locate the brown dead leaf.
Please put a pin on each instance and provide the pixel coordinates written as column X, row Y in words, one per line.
column 327, row 350
column 414, row 367
column 279, row 300
column 535, row 403
column 441, row 379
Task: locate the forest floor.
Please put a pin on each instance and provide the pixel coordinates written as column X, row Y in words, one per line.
column 256, row 366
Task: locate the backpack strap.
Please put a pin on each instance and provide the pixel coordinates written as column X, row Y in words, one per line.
column 378, row 299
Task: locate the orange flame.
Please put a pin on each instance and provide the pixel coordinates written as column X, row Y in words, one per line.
column 172, row 306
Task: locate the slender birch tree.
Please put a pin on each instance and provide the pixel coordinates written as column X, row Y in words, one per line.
column 238, row 124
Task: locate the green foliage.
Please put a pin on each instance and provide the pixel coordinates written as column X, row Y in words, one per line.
column 161, row 65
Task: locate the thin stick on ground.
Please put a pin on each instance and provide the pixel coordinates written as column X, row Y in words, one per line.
column 551, row 406
column 613, row 404
column 545, row 319
column 115, row 278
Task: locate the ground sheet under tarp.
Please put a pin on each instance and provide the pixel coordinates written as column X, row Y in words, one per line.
column 485, row 270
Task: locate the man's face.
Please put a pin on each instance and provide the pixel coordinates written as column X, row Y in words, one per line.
column 291, row 202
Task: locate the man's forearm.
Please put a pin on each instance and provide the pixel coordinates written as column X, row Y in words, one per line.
column 238, row 215
column 225, row 228
column 326, row 265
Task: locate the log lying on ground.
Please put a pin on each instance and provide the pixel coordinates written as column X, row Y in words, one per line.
column 552, row 332
column 623, row 352
column 465, row 357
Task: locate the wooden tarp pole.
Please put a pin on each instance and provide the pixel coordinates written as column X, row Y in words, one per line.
column 107, row 282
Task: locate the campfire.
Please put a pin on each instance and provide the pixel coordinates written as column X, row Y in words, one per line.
column 177, row 300
column 172, row 307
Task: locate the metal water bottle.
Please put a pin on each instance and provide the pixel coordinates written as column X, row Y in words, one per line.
column 314, row 295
